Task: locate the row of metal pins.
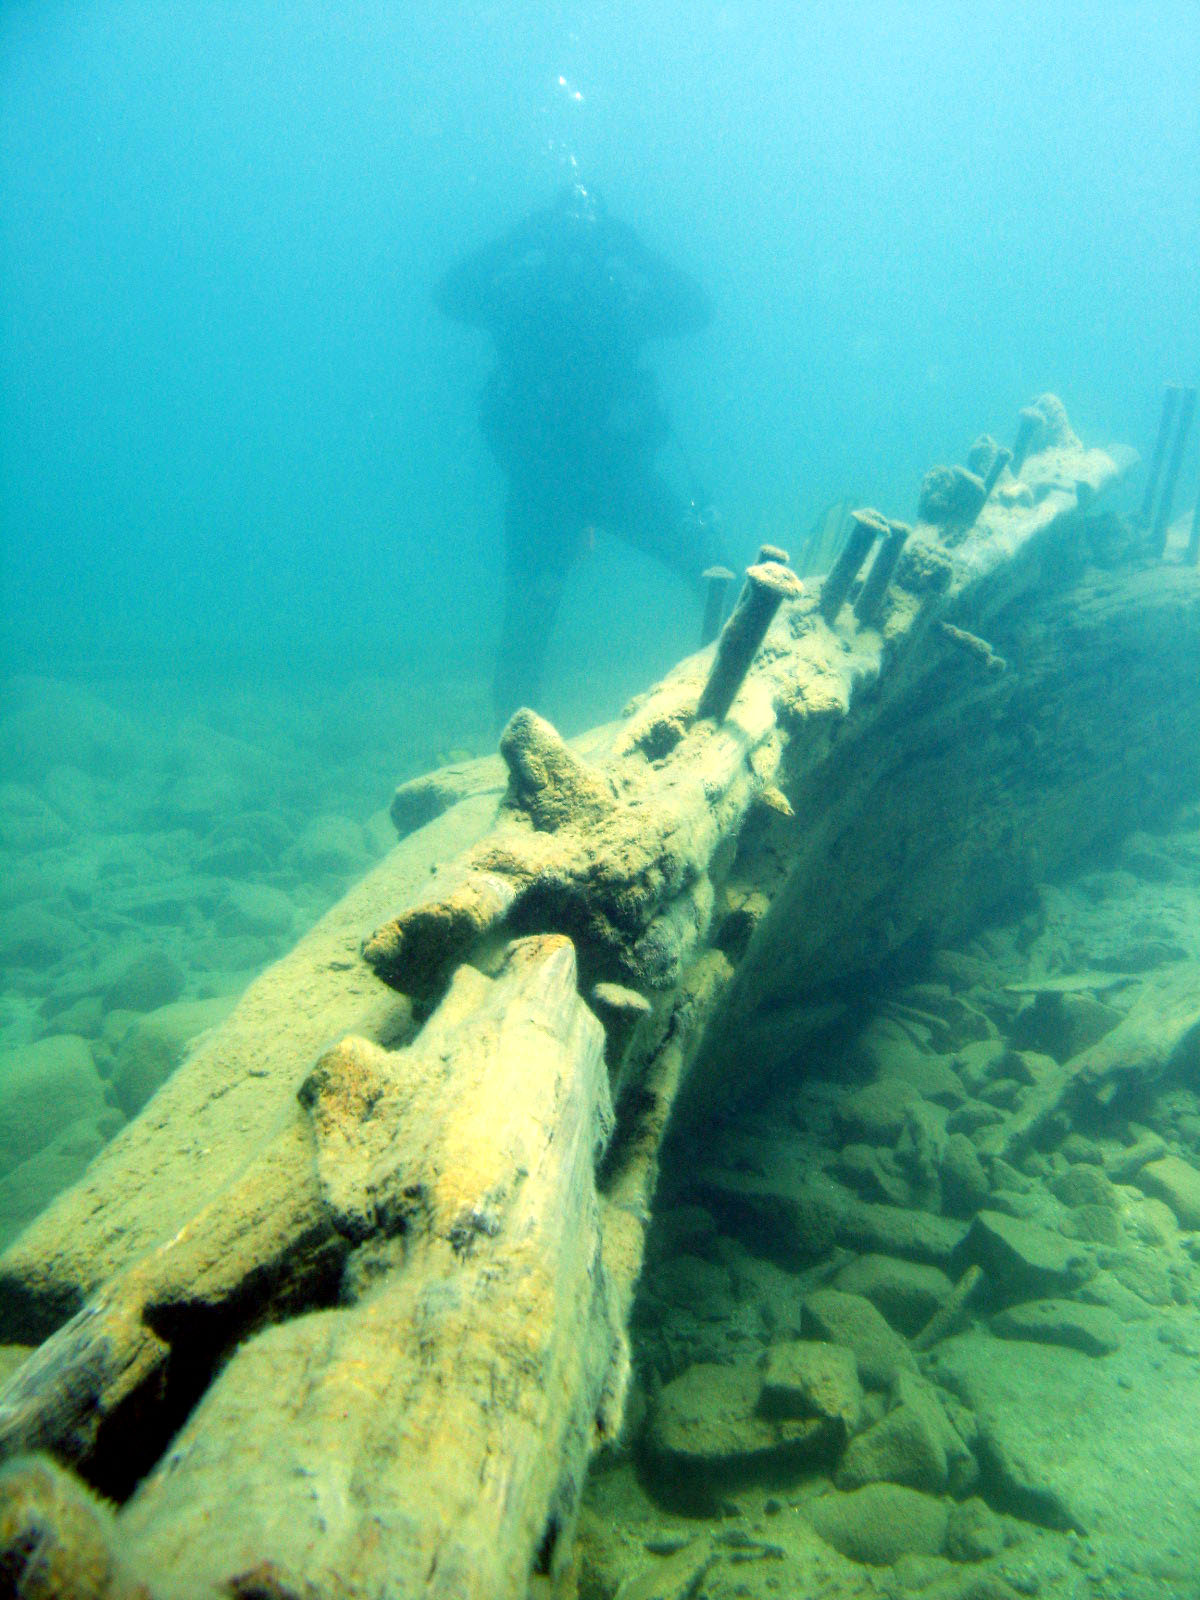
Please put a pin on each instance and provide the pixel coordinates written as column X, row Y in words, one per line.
column 1178, row 409
column 770, row 581
column 866, row 527
column 767, row 585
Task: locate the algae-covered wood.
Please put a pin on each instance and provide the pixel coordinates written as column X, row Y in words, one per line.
column 416, row 1439
column 417, row 1345
column 235, row 1091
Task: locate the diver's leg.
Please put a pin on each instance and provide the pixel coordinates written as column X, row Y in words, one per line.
column 645, row 512
column 537, row 560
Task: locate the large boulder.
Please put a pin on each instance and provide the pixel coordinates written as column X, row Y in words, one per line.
column 29, row 1188
column 853, row 1322
column 1095, row 1330
column 156, row 1043
column 880, row 1523
column 806, row 1378
column 1176, row 1182
column 908, row 1293
column 914, row 1444
column 149, row 981
column 1022, row 1259
column 708, row 1436
column 43, row 1088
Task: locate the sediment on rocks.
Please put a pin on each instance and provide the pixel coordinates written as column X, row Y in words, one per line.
column 404, row 1187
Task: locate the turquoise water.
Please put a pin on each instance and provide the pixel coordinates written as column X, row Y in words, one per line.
column 237, row 437
column 251, row 549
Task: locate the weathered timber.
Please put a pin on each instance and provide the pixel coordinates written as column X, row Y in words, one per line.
column 106, row 1389
column 1158, row 1038
column 234, row 1093
column 429, row 1437
column 57, row 1541
column 477, row 1330
column 736, row 875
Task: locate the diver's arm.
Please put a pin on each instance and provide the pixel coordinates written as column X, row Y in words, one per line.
column 478, row 290
column 663, row 299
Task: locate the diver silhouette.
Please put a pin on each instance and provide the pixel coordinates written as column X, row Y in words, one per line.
column 570, row 296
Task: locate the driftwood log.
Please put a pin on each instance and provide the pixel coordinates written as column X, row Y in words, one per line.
column 343, row 1312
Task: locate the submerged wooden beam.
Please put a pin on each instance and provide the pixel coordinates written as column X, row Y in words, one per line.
column 430, row 1435
column 227, row 1102
column 421, row 1337
column 967, row 790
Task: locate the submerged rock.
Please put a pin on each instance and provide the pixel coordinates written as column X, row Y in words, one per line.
column 1022, row 1259
column 911, row 1234
column 34, row 936
column 1060, row 1024
column 43, row 1087
column 908, row 1293
column 805, row 1378
column 964, row 1180
column 900, row 1448
column 874, row 1175
column 256, row 908
column 914, row 1444
column 975, row 1532
column 1095, row 1330
column 853, row 1322
column 880, row 1523
column 708, row 1436
column 1176, row 1182
column 791, row 1224
column 150, row 980
column 877, row 1114
column 27, row 1188
column 674, row 1576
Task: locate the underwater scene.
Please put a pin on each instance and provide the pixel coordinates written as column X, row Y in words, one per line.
column 599, row 801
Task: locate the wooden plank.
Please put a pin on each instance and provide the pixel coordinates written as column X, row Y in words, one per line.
column 431, row 1429
column 228, row 1100
column 431, row 1436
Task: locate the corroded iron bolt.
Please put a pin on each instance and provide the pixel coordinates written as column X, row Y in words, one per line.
column 1171, row 396
column 620, row 1010
column 866, row 607
column 717, row 581
column 865, row 528
column 1030, row 422
column 1158, row 536
column 767, row 552
column 767, row 585
column 999, row 462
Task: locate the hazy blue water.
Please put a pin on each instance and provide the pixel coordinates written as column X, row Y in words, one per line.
column 236, row 434
column 237, row 443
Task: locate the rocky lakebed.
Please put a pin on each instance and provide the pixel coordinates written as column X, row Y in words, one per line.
column 923, row 1323
column 927, row 1322
column 162, row 844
